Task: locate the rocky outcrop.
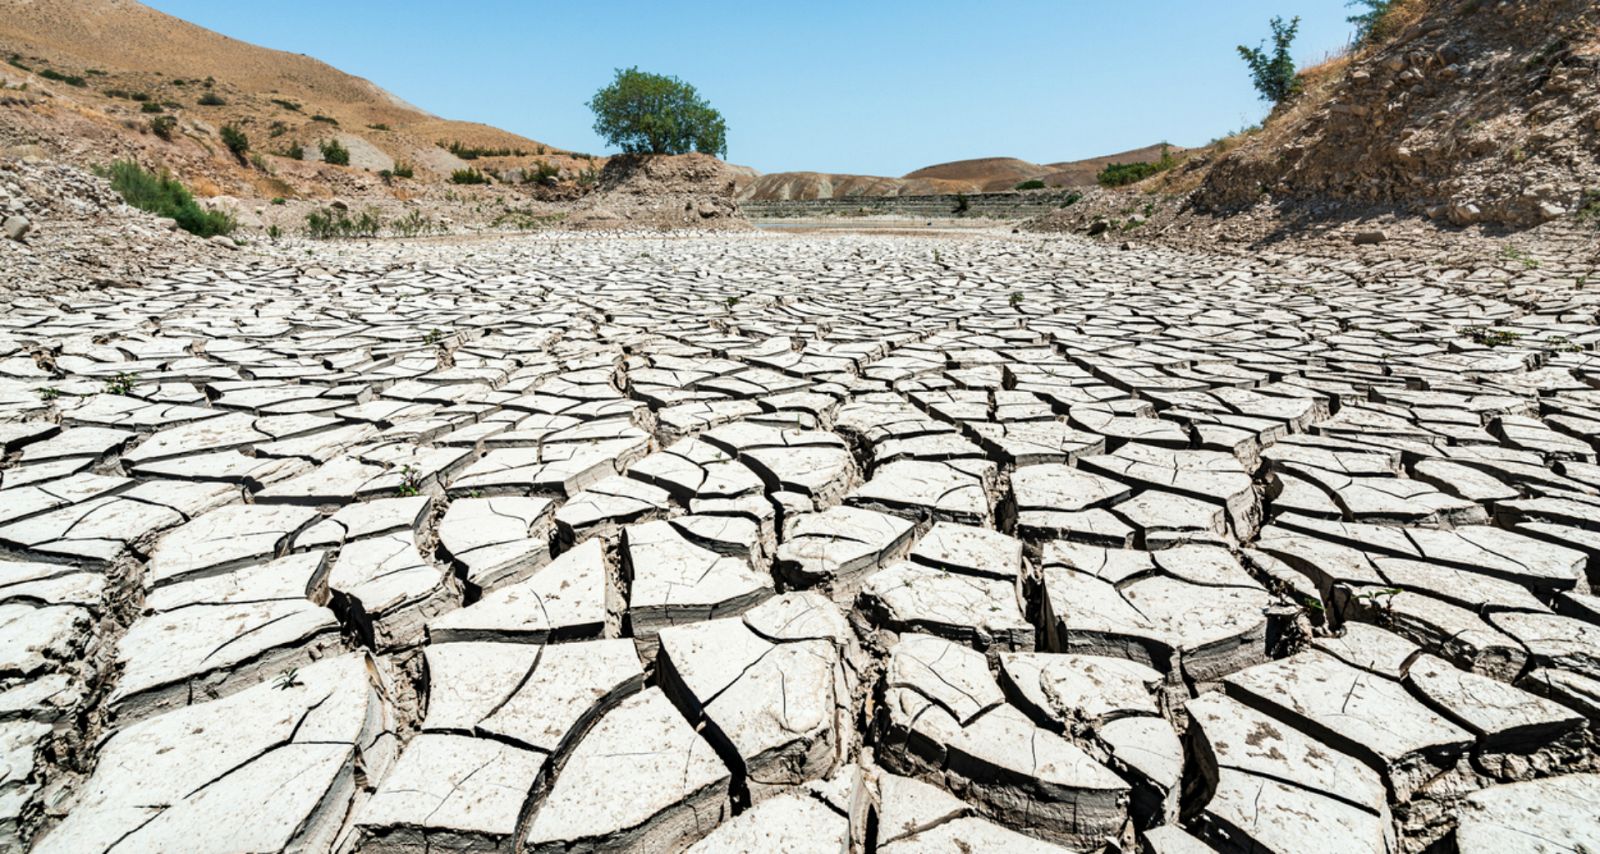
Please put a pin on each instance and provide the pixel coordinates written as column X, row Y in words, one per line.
column 1475, row 113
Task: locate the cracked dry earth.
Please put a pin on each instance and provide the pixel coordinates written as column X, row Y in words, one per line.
column 784, row 543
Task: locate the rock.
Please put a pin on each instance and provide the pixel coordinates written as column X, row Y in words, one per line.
column 16, row 227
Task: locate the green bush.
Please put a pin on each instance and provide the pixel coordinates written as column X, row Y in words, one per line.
column 414, row 224
column 1122, row 174
column 378, row 126
column 1034, row 184
column 329, row 223
column 279, row 200
column 287, row 105
column 473, row 152
column 211, row 99
column 1274, row 73
column 163, row 126
column 468, row 176
column 325, row 119
column 235, row 140
column 15, row 61
column 333, row 152
column 150, row 107
column 403, row 170
column 543, row 173
column 645, row 113
column 163, row 195
column 69, row 79
column 295, row 151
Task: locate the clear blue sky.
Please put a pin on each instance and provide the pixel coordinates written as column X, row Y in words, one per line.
column 865, row 86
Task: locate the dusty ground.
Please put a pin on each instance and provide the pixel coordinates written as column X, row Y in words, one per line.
column 768, row 541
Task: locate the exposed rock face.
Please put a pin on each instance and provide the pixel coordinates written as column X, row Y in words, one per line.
column 1471, row 113
column 547, row 546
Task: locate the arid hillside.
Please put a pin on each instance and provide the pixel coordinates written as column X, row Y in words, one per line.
column 88, row 80
column 982, row 175
column 1465, row 111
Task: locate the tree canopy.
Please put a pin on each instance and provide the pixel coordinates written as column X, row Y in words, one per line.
column 644, row 113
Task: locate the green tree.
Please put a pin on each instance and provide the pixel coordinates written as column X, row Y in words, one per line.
column 1274, row 73
column 645, row 113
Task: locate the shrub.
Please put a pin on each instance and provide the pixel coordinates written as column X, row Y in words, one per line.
column 15, row 60
column 1122, row 174
column 414, row 224
column 468, row 176
column 279, row 200
column 329, row 223
column 235, row 140
column 645, row 113
column 543, row 173
column 325, row 119
column 1034, row 184
column 117, row 93
column 1274, row 73
column 261, row 163
column 69, row 79
column 403, row 170
column 295, row 151
column 141, row 97
column 150, row 107
column 211, row 99
column 287, row 105
column 473, row 152
column 378, row 126
column 165, row 196
column 333, row 152
column 163, row 126
column 963, row 204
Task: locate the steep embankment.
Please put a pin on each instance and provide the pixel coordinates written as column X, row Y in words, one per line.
column 1469, row 112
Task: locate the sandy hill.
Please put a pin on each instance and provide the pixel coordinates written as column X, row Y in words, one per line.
column 1465, row 111
column 99, row 72
column 982, row 175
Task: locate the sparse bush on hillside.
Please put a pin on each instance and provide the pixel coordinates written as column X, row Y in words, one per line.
column 1274, row 73
column 543, row 173
column 163, row 195
column 403, row 169
column 295, row 151
column 150, row 107
column 163, row 126
column 1034, row 184
column 645, row 113
column 333, row 152
column 330, row 120
column 211, row 99
column 378, row 126
column 69, row 79
column 1122, row 174
column 468, row 176
column 235, row 140
column 15, row 61
column 473, row 152
column 415, row 224
column 287, row 105
column 329, row 223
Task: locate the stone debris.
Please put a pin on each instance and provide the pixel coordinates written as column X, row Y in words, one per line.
column 800, row 543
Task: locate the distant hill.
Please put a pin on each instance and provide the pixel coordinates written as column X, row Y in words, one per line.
column 99, row 71
column 983, row 175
